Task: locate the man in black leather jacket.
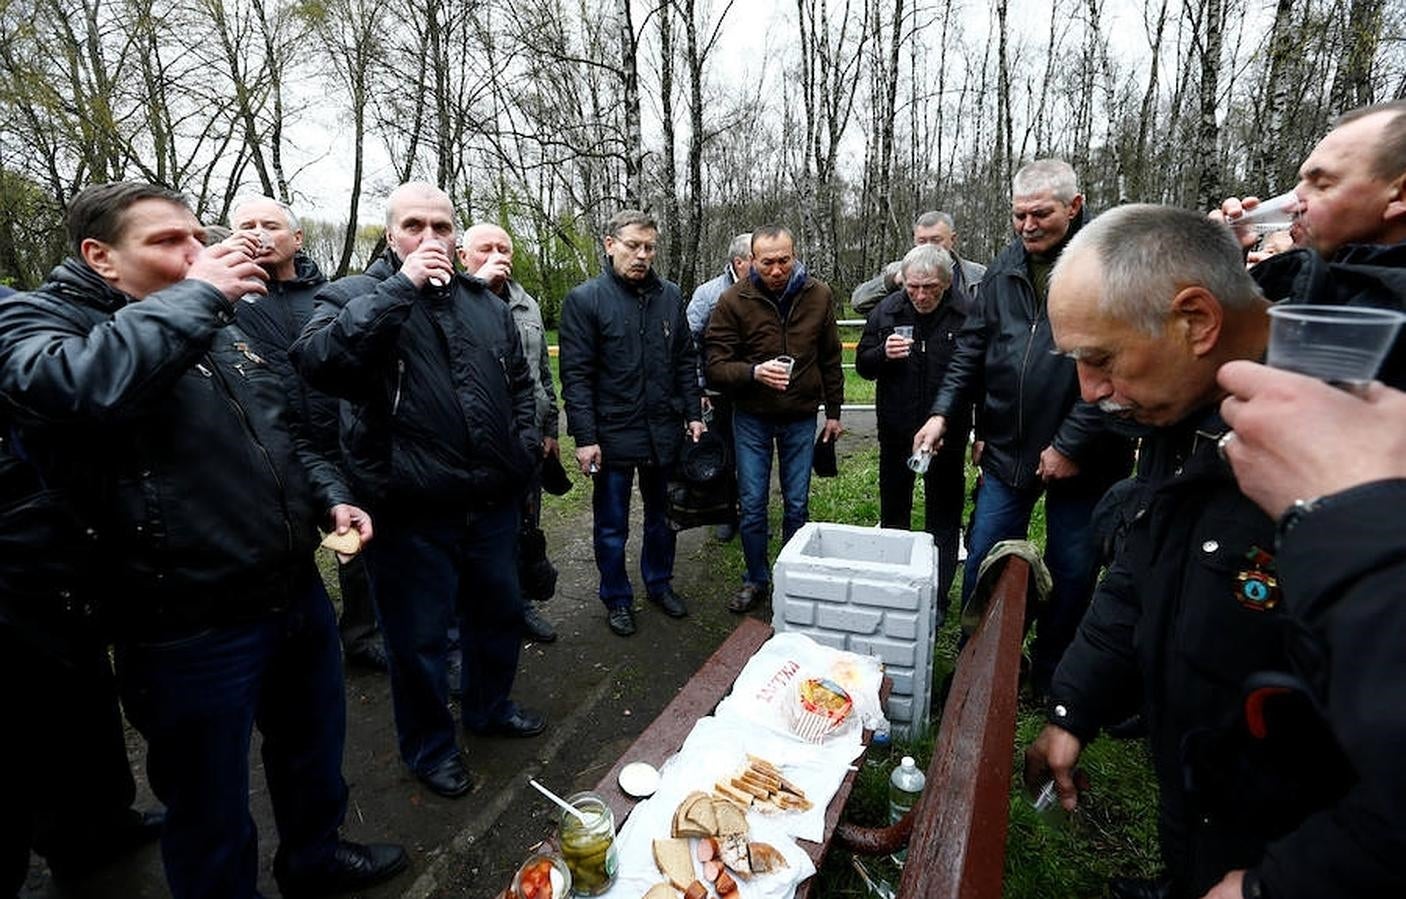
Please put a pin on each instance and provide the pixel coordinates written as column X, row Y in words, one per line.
column 168, row 435
column 1035, row 436
column 1150, row 301
column 440, row 439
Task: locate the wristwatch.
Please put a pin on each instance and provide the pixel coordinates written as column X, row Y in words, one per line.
column 1293, row 515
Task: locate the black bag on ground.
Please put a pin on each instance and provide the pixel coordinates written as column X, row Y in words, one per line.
column 537, row 576
column 703, row 489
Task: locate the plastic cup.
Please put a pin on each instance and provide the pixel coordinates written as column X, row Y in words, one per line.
column 1274, row 214
column 1343, row 345
column 904, row 331
column 920, row 461
column 787, row 362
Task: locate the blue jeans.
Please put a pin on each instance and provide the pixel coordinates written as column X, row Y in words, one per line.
column 753, row 439
column 426, row 577
column 610, row 500
column 1002, row 513
column 196, row 700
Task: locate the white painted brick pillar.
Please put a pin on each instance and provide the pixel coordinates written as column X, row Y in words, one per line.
column 870, row 591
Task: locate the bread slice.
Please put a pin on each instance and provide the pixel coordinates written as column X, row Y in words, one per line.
column 765, row 858
column 683, row 825
column 731, row 819
column 728, row 791
column 674, row 861
column 701, row 813
column 732, row 849
column 749, row 787
column 661, row 891
column 348, row 544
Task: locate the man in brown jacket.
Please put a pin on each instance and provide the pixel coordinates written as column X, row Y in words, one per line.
column 772, row 344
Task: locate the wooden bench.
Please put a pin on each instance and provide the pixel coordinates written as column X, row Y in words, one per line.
column 957, row 845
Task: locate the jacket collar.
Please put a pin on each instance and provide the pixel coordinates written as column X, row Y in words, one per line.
column 1014, row 257
column 649, row 284
column 796, row 283
column 77, row 281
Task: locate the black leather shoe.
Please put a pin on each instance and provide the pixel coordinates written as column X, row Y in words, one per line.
column 748, row 596
column 353, row 866
column 1139, row 888
column 136, row 831
column 670, row 602
column 449, row 778
column 522, row 724
column 370, row 656
column 535, row 627
column 621, row 621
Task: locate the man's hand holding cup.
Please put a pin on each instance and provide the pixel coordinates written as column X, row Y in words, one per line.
column 430, row 263
column 775, row 373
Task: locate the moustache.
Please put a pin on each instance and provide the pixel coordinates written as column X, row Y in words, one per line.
column 1113, row 408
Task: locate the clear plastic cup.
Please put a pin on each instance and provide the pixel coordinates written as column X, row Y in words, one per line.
column 1274, row 214
column 920, row 461
column 787, row 362
column 1343, row 345
column 904, row 331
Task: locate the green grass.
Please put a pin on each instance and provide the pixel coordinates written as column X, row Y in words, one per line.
column 1114, row 833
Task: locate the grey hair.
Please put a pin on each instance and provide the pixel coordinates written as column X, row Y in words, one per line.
column 293, row 223
column 423, row 188
column 1053, row 175
column 935, row 217
column 740, row 248
column 627, row 217
column 1148, row 253
column 927, row 259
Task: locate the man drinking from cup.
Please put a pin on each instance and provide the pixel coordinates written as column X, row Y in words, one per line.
column 1150, row 302
column 773, row 345
column 907, row 343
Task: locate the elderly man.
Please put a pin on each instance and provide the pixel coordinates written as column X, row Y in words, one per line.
column 1190, row 619
column 700, row 309
column 907, row 343
column 630, row 386
column 164, row 429
column 1037, row 437
column 441, row 440
column 936, row 228
column 273, row 322
column 773, row 347
column 486, row 252
column 1350, row 222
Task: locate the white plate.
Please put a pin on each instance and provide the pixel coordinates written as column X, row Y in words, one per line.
column 639, row 779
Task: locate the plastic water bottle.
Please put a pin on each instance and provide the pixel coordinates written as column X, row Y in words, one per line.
column 905, row 786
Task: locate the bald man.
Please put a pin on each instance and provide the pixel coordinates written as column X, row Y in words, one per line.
column 441, row 439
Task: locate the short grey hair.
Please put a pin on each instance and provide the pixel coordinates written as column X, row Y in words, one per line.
column 935, row 217
column 740, row 248
column 927, row 259
column 627, row 217
column 1046, row 175
column 293, row 223
column 1148, row 253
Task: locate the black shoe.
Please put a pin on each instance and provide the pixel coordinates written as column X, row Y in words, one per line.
column 138, row 830
column 353, row 866
column 535, row 627
column 748, row 596
column 449, row 778
column 370, row 656
column 522, row 724
column 621, row 621
column 670, row 602
column 1139, row 888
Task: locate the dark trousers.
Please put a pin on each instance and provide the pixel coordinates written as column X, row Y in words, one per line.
column 943, row 499
column 196, row 699
column 610, row 501
column 358, row 621
column 427, row 578
column 63, row 760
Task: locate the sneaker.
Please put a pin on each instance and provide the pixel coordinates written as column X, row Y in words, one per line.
column 621, row 621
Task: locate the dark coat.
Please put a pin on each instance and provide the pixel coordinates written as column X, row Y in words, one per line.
column 168, row 434
column 748, row 328
column 1185, row 615
column 1027, row 396
column 440, row 417
column 628, row 368
column 905, row 387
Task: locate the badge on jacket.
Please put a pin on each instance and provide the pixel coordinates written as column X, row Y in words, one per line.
column 1257, row 586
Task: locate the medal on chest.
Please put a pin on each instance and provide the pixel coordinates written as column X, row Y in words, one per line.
column 1257, row 585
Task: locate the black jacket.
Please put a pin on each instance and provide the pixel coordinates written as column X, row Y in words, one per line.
column 906, row 387
column 273, row 323
column 628, row 368
column 1358, row 275
column 1187, row 613
column 440, row 418
column 1027, row 396
column 169, row 436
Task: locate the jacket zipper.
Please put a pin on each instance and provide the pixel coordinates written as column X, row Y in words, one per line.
column 243, row 417
column 399, row 377
column 1020, row 387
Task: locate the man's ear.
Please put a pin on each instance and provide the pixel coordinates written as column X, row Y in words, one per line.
column 1076, row 204
column 1396, row 203
column 298, row 239
column 98, row 255
column 1197, row 317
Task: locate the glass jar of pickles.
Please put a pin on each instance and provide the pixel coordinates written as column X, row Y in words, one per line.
column 589, row 846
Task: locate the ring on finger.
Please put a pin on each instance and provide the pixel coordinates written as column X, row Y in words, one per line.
column 1223, row 442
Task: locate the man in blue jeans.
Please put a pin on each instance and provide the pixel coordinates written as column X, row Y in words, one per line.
column 630, row 387
column 1036, row 435
column 773, row 346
